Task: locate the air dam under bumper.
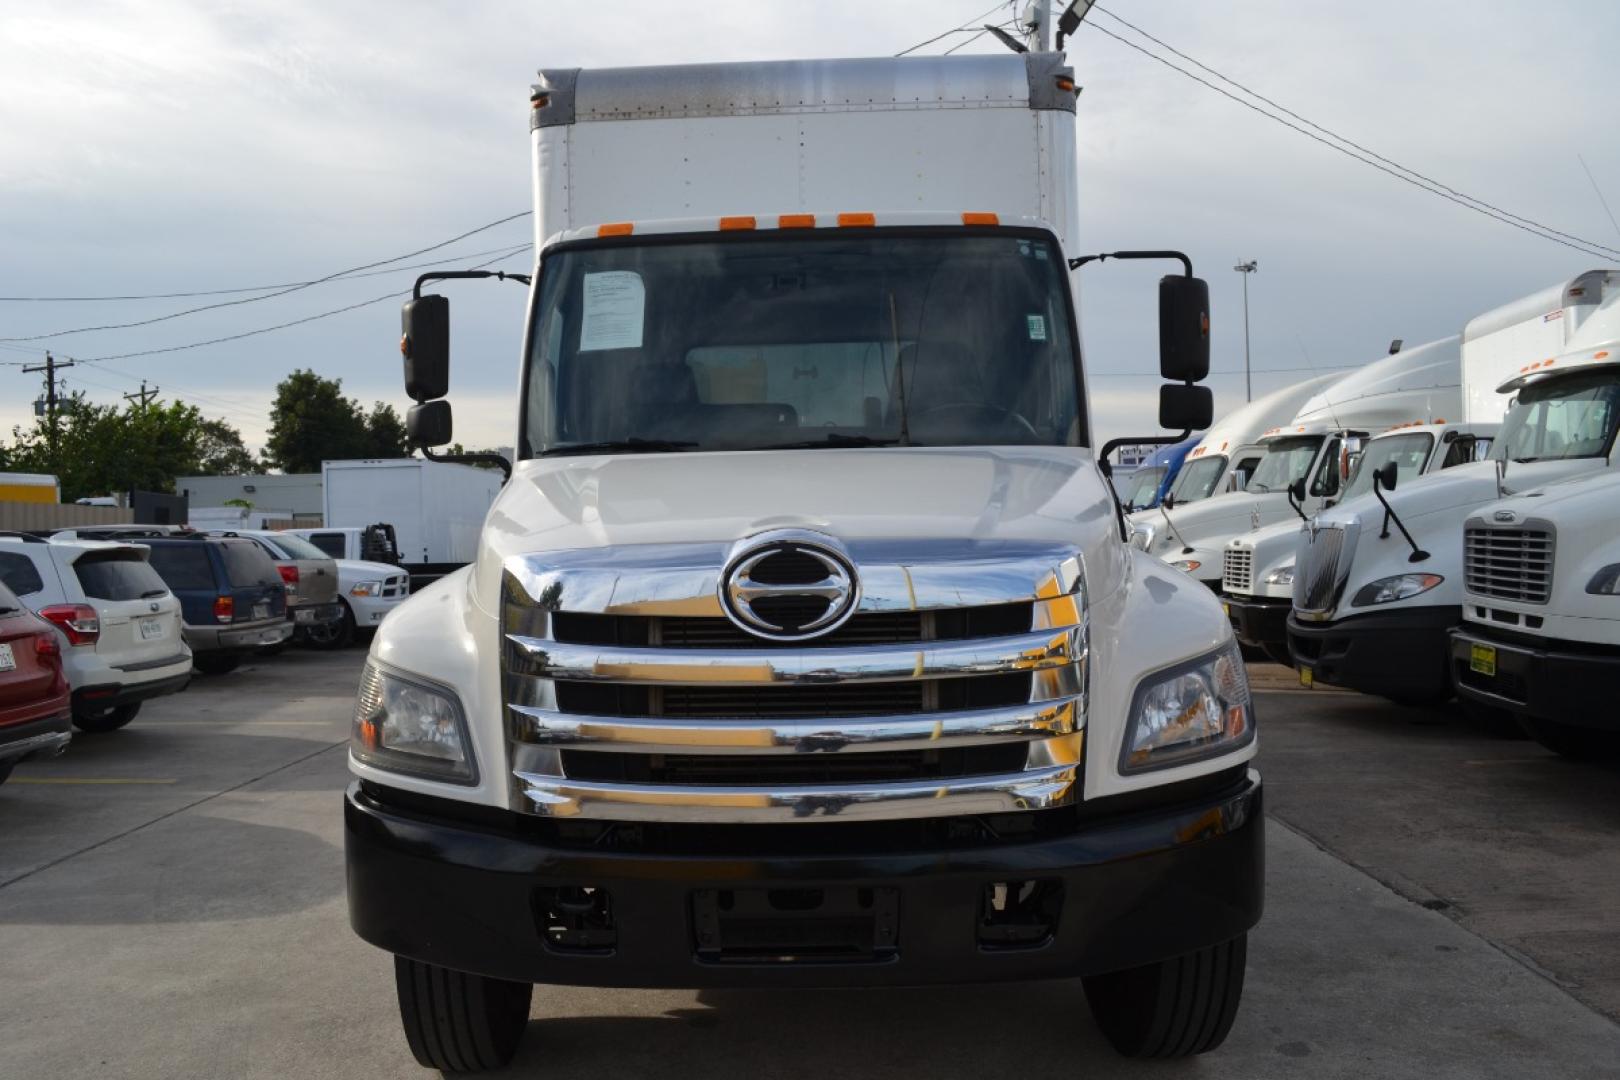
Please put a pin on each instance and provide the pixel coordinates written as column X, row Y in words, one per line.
column 1546, row 680
column 1132, row 889
column 1403, row 655
column 1259, row 622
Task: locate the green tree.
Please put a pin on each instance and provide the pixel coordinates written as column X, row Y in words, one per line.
column 312, row 421
column 220, row 451
column 387, row 431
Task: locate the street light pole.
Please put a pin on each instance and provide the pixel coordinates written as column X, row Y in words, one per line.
column 1246, row 268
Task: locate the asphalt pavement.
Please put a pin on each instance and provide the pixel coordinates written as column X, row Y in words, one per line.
column 171, row 905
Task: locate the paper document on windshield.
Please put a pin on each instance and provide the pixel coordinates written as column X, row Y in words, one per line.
column 615, row 305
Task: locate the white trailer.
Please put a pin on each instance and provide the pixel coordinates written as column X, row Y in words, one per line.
column 1375, row 599
column 437, row 509
column 1416, row 384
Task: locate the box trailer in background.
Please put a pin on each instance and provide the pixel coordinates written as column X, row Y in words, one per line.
column 436, row 509
column 29, row 488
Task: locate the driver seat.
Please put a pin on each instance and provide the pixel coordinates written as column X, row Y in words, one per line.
column 936, row 373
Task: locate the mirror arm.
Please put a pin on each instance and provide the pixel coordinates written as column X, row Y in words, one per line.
column 1294, row 506
column 470, row 459
column 446, row 275
column 1111, row 445
column 1078, row 262
column 1418, row 554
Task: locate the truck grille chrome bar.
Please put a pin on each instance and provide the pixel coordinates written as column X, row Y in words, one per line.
column 1238, row 572
column 1509, row 563
column 1321, row 570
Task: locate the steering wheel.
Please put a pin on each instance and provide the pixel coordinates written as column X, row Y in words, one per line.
column 994, row 417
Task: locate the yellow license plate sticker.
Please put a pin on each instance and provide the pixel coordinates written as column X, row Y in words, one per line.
column 1482, row 658
column 1226, row 608
column 1307, row 678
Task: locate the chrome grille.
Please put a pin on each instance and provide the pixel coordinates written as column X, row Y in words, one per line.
column 1238, row 575
column 1317, row 577
column 397, row 585
column 1508, row 563
column 633, row 697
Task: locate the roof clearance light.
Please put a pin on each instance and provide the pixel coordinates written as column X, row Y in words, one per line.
column 741, row 222
column 796, row 221
column 857, row 221
column 616, row 228
column 971, row 218
column 539, row 101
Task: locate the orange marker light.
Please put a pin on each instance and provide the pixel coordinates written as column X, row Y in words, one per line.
column 729, row 224
column 404, row 346
column 856, row 221
column 539, row 101
column 796, row 221
column 617, row 228
column 1065, row 83
column 970, row 218
column 1604, row 355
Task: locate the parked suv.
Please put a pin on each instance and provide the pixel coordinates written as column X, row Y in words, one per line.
column 117, row 622
column 311, row 577
column 34, row 698
column 231, row 594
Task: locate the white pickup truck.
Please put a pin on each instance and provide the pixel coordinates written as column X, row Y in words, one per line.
column 804, row 646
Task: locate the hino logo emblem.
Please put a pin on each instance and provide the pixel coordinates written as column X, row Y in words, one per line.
column 1503, row 515
column 788, row 586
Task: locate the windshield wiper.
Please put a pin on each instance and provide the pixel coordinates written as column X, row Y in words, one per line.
column 627, row 446
column 1262, row 489
column 835, row 440
column 153, row 593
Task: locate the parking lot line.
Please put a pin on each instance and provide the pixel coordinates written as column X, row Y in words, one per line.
column 86, row 780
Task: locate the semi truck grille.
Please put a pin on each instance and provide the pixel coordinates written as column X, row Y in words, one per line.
column 1317, row 578
column 1508, row 564
column 1238, row 576
column 970, row 702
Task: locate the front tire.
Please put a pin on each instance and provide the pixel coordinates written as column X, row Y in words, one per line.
column 336, row 634
column 457, row 1022
column 107, row 720
column 5, row 770
column 1174, row 1008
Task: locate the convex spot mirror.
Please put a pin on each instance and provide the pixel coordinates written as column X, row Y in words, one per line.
column 1387, row 476
column 425, row 346
column 1183, row 329
column 1296, row 490
column 1185, row 408
column 428, row 424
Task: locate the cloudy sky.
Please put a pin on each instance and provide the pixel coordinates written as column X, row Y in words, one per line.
column 165, row 147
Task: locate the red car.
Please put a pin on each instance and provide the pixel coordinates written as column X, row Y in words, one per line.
column 35, row 717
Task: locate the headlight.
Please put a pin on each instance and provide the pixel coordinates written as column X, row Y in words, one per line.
column 366, row 588
column 1606, row 582
column 1399, row 587
column 1186, row 566
column 1283, row 575
column 1188, row 713
column 408, row 725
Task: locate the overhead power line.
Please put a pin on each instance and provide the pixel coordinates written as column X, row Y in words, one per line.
column 968, row 27
column 1354, row 150
column 270, row 295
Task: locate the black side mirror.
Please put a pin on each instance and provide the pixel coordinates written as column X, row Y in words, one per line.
column 428, row 424
column 1296, row 490
column 1184, row 329
column 425, row 345
column 1387, row 476
column 1185, row 408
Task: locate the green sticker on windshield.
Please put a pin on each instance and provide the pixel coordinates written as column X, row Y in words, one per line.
column 1037, row 327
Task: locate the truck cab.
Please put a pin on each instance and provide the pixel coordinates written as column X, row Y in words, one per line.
column 1377, row 592
column 1257, row 579
column 1540, row 632
column 1149, row 482
column 803, row 646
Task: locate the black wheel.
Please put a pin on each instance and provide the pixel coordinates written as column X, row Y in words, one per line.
column 1175, row 1008
column 456, row 1022
column 1580, row 744
column 1490, row 721
column 5, row 770
column 107, row 719
column 1279, row 655
column 216, row 663
column 336, row 634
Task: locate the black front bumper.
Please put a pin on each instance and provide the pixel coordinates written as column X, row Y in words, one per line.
column 1566, row 683
column 1402, row 655
column 110, row 694
column 1132, row 888
column 1259, row 622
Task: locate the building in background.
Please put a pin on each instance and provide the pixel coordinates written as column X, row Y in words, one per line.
column 294, row 496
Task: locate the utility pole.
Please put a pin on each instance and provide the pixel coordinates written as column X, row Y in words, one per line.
column 145, row 395
column 1246, row 268
column 50, row 368
column 1039, row 14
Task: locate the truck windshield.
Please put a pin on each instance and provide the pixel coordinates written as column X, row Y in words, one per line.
column 1143, row 485
column 1409, row 453
column 840, row 339
column 1197, row 479
column 1286, row 460
column 1571, row 417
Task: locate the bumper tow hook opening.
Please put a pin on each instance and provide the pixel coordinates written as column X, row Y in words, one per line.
column 1019, row 914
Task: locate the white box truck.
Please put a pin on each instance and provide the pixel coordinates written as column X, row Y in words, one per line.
column 1540, row 633
column 1375, row 597
column 1416, row 383
column 804, row 646
column 436, row 509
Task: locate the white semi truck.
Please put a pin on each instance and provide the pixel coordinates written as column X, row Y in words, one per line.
column 1416, row 383
column 803, row 646
column 1257, row 578
column 1376, row 592
column 1540, row 632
